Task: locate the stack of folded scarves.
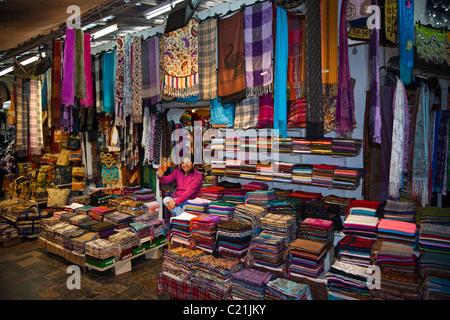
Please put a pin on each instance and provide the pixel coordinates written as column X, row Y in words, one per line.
column 217, row 167
column 397, row 210
column 248, row 170
column 319, row 209
column 282, row 193
column 79, row 219
column 65, row 216
column 79, row 243
column 434, row 268
column 434, row 237
column 158, row 227
column 282, row 145
column 264, row 171
column 133, row 208
column 214, row 273
column 432, row 215
column 197, row 206
column 80, row 210
column 103, row 229
column 354, row 250
column 268, row 251
column 101, row 249
column 141, row 229
column 342, row 202
column 345, row 177
column 129, row 190
column 97, row 213
column 234, row 195
column 223, row 209
column 283, row 171
column 234, row 237
column 284, row 289
column 321, row 146
column 279, row 224
column 213, row 193
column 301, row 145
column 261, row 197
column 252, row 214
column 322, row 175
column 319, row 230
column 306, row 258
column 302, row 173
column 361, row 226
column 118, row 219
column 125, row 239
column 248, row 144
column 203, row 232
column 179, row 228
column 178, row 262
column 255, row 186
column 152, row 207
column 348, row 281
column 363, row 207
column 250, row 284
column 346, row 148
column 398, row 232
column 232, row 168
column 291, row 206
column 305, row 195
column 144, row 195
column 394, row 256
column 67, row 237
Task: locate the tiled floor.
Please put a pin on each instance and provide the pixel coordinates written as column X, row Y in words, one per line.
column 28, row 272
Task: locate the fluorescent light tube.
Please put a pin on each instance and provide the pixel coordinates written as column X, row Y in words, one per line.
column 5, row 71
column 160, row 9
column 24, row 63
column 105, row 31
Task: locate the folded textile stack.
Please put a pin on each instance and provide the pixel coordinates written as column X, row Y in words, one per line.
column 8, row 232
column 250, row 284
column 80, row 210
column 322, row 175
column 363, row 207
column 178, row 262
column 432, row 215
column 347, row 178
column 152, row 207
column 197, row 206
column 217, row 167
column 398, row 231
column 125, row 239
column 397, row 210
column 348, row 281
column 290, row 206
column 87, row 225
column 223, row 209
column 319, row 209
column 268, row 251
column 234, row 195
column 133, row 208
column 282, row 171
column 284, row 289
column 101, row 249
column 79, row 219
column 342, row 202
column 62, row 234
column 214, row 273
column 305, row 195
column 302, row 173
column 306, row 258
column 296, row 117
column 65, row 216
column 321, row 146
column 252, row 214
column 79, row 243
column 301, row 145
column 434, row 237
column 218, row 143
column 279, row 224
column 213, row 193
column 144, row 195
column 103, row 229
column 118, row 219
column 250, row 144
column 248, row 170
column 97, row 213
column 264, row 171
column 394, row 256
column 232, row 143
column 255, row 186
column 264, row 143
column 260, row 198
column 282, row 194
column 361, row 226
column 113, row 202
column 354, row 250
column 319, row 230
column 434, row 268
column 141, row 229
column 179, row 228
column 234, row 237
column 129, row 190
column 46, row 223
column 159, row 227
column 233, row 168
column 282, row 145
column 346, row 148
column 68, row 237
column 396, row 285
column 203, row 232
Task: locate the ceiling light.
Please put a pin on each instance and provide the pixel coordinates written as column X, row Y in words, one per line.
column 5, row 71
column 162, row 8
column 105, row 31
column 23, row 63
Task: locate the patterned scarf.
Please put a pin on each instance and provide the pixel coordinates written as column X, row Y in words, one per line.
column 56, row 85
column 162, row 142
column 281, row 62
column 150, row 72
column 247, row 113
column 80, row 80
column 207, row 64
column 136, row 82
column 440, row 153
column 68, row 86
column 89, row 94
column 258, row 42
column 127, row 79
column 375, row 103
column 180, row 61
column 35, row 114
column 231, row 59
column 22, row 117
column 406, row 39
column 119, row 79
column 265, row 111
column 108, row 82
column 296, row 63
column 98, row 77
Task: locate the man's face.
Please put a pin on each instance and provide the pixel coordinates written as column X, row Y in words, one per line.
column 187, row 164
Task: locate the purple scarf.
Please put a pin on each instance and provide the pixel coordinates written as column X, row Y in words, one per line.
column 68, row 87
column 375, row 104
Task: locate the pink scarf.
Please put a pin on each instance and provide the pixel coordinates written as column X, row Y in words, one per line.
column 89, row 102
column 68, row 87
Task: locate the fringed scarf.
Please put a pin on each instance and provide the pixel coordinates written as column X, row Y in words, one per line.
column 406, row 39
column 98, row 76
column 398, row 141
column 56, row 85
column 89, row 93
column 345, row 104
column 207, row 63
column 258, row 42
column 421, row 152
column 80, row 80
column 180, row 61
column 265, row 111
column 108, row 82
column 127, row 79
column 22, row 114
column 136, row 82
column 119, row 79
column 162, row 143
column 68, row 85
column 35, row 117
column 150, row 72
column 281, row 62
column 296, row 61
column 247, row 113
column 375, row 103
column 231, row 59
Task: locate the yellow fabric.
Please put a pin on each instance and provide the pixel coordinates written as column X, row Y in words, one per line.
column 329, row 38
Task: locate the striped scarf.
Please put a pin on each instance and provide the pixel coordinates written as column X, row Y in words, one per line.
column 207, row 64
column 150, row 72
column 22, row 117
column 35, row 117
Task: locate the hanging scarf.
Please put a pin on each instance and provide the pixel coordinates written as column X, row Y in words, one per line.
column 22, row 117
column 432, row 45
column 441, row 151
column 231, row 59
column 150, row 72
column 127, row 79
column 136, row 83
column 281, row 62
column 108, row 82
column 80, row 80
column 89, row 94
column 68, row 85
column 406, row 39
column 258, row 43
column 146, row 131
column 247, row 113
column 119, row 79
column 265, row 111
column 421, row 152
column 296, row 60
column 398, row 141
column 180, row 61
column 345, row 104
column 375, row 104
column 162, row 142
column 98, row 75
column 207, row 64
column 56, row 85
column 35, row 117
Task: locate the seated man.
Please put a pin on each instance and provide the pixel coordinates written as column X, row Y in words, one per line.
column 189, row 183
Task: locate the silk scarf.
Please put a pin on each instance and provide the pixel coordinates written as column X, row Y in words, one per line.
column 281, row 64
column 22, row 114
column 296, row 72
column 150, row 72
column 406, row 39
column 56, row 89
column 68, row 85
column 89, row 92
column 136, row 81
column 207, row 63
column 35, row 117
column 375, row 104
column 108, row 82
column 98, row 76
column 80, row 80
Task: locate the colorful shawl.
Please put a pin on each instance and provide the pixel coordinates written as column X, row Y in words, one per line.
column 126, row 108
column 162, row 143
column 247, row 113
column 35, row 117
column 375, row 103
column 281, row 62
column 68, row 86
column 345, row 105
column 98, row 76
column 296, row 60
column 136, row 82
column 258, row 43
column 231, row 59
column 207, row 64
column 119, row 79
column 406, row 39
column 108, row 82
column 150, row 72
column 441, row 151
column 22, row 115
column 265, row 111
column 89, row 93
column 180, row 61
column 80, row 80
column 56, row 84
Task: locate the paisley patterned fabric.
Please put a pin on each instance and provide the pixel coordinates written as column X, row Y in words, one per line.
column 136, row 82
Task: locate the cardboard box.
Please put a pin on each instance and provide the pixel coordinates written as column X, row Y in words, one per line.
column 100, row 263
column 138, row 250
column 126, row 254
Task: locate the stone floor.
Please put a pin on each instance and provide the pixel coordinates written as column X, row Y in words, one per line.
column 27, row 272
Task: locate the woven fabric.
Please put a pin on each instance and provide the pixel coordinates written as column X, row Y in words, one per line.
column 119, row 78
column 207, row 64
column 108, row 82
column 150, row 72
column 35, row 114
column 56, row 85
column 79, row 78
column 296, row 63
column 68, row 85
column 281, row 65
column 136, row 81
column 98, row 78
column 22, row 117
column 89, row 93
column 247, row 113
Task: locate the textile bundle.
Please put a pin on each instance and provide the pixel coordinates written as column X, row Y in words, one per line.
column 284, row 289
column 317, row 230
column 197, row 206
column 267, row 251
column 250, row 284
column 207, row 64
column 178, row 262
column 398, row 232
column 361, row 226
column 203, row 232
column 354, row 250
column 348, row 281
column 250, row 213
column 307, row 258
column 434, row 268
column 233, row 237
column 223, row 209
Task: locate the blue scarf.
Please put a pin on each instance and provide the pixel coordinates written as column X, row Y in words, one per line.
column 406, row 39
column 281, row 64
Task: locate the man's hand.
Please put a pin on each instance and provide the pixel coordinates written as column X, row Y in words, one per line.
column 171, row 205
column 160, row 172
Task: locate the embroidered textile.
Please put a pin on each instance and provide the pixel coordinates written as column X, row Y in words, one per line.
column 136, row 82
column 119, row 79
column 89, row 94
column 406, row 39
column 56, row 85
column 432, row 45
